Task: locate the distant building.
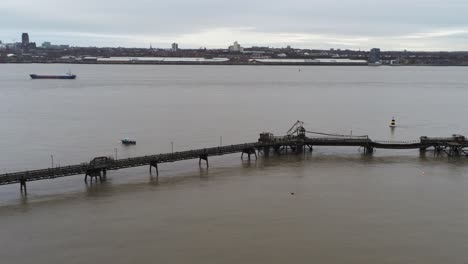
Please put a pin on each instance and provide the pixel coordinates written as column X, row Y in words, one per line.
column 89, row 59
column 46, row 45
column 25, row 43
column 25, row 39
column 174, row 47
column 13, row 46
column 236, row 47
column 374, row 55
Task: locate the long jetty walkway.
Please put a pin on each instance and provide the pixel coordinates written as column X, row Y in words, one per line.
column 295, row 141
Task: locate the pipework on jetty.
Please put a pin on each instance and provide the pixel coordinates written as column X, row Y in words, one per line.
column 297, row 140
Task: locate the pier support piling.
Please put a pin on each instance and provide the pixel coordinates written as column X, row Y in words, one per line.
column 266, row 151
column 104, row 175
column 438, row 150
column 454, row 151
column 368, row 150
column 292, row 147
column 95, row 173
column 23, row 185
column 250, row 151
column 299, row 149
column 205, row 158
column 155, row 165
column 277, row 149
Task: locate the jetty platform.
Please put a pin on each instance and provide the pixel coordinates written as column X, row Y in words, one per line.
column 297, row 141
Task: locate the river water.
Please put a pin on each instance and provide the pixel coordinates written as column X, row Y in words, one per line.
column 393, row 207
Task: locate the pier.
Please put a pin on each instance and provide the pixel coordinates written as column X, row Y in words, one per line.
column 297, row 141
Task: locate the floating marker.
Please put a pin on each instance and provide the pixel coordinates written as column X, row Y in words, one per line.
column 393, row 123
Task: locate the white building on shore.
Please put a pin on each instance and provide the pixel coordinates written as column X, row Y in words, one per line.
column 236, row 47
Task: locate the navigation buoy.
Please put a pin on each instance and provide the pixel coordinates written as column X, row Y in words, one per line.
column 393, row 124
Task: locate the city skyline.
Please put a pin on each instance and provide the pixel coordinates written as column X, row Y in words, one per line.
column 357, row 25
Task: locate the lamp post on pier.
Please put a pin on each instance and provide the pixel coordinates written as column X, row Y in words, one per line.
column 172, row 147
column 52, row 159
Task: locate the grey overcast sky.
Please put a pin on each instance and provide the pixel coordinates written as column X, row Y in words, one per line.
column 354, row 24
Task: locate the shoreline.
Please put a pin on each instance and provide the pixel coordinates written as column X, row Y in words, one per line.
column 231, row 64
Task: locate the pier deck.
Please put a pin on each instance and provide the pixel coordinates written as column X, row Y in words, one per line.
column 297, row 141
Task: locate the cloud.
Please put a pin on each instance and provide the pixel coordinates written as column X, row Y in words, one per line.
column 437, row 34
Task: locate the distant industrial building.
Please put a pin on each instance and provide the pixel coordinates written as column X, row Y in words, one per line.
column 48, row 45
column 236, row 47
column 174, row 47
column 374, row 55
column 308, row 62
column 162, row 60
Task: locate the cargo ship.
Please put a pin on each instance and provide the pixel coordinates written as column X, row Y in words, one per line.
column 68, row 76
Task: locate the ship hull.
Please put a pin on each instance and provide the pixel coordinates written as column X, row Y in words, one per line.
column 63, row 77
